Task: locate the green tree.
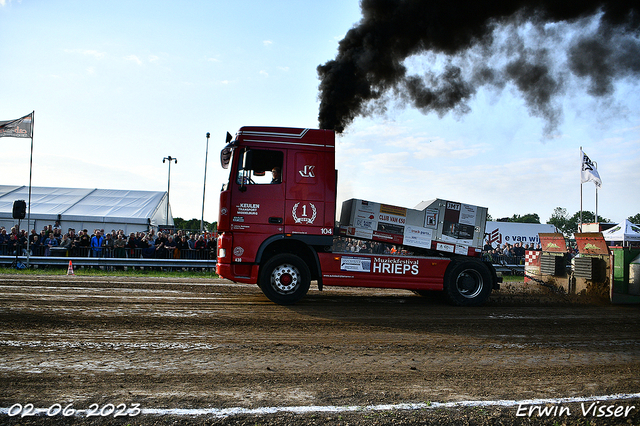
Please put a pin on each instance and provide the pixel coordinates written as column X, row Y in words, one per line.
column 560, row 219
column 569, row 224
column 587, row 217
column 194, row 224
column 634, row 219
column 527, row 218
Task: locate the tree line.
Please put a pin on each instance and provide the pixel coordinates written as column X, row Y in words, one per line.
column 194, row 224
column 562, row 220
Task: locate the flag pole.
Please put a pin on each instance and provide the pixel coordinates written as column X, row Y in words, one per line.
column 596, row 195
column 204, row 186
column 33, row 114
column 597, row 201
column 581, row 160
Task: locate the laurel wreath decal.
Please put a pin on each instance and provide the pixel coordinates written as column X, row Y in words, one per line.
column 304, row 219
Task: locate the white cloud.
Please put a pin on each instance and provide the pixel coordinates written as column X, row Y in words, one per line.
column 264, row 73
column 267, row 42
column 133, row 58
column 153, row 58
column 87, row 52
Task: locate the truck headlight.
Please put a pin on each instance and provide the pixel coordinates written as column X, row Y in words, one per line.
column 222, row 253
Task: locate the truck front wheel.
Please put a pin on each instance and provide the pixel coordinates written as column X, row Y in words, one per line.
column 285, row 279
column 467, row 283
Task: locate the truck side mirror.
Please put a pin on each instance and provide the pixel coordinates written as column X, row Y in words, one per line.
column 248, row 160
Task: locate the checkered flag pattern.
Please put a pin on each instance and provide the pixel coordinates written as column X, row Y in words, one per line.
column 532, row 258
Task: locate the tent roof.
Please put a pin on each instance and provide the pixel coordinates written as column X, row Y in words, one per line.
column 83, row 204
column 625, row 231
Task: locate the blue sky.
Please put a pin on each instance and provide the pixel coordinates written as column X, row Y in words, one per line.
column 116, row 86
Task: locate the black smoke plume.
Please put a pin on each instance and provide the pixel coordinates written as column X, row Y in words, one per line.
column 468, row 44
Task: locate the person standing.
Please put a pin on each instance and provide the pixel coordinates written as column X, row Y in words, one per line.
column 96, row 244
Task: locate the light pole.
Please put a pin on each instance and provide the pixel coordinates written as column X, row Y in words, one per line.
column 204, row 186
column 170, row 158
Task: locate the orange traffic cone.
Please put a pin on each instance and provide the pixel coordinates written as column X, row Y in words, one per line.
column 70, row 269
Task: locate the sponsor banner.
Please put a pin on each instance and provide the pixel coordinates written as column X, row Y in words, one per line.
column 387, row 238
column 367, row 207
column 365, row 223
column 468, row 214
column 499, row 233
column 445, row 247
column 396, row 266
column 417, row 237
column 458, row 233
column 453, row 206
column 462, row 249
column 430, row 218
column 393, row 210
column 455, row 240
column 355, row 264
column 359, row 233
column 393, row 219
column 390, row 228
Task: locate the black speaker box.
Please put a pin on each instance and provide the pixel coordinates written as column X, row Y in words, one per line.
column 19, row 209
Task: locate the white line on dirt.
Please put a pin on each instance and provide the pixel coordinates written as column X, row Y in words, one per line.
column 309, row 409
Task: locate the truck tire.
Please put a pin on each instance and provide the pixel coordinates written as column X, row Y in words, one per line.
column 285, row 279
column 467, row 282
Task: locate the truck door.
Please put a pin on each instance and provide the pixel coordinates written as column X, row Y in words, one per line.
column 257, row 199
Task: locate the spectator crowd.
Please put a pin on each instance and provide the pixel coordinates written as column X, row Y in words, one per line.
column 507, row 253
column 52, row 241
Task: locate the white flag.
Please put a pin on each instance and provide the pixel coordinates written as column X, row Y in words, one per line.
column 589, row 171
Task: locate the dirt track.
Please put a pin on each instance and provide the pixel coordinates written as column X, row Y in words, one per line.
column 172, row 343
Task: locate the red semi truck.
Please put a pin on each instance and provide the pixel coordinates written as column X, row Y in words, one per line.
column 277, row 226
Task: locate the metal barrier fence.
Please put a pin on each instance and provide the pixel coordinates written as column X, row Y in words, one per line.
column 110, row 252
column 107, row 263
column 108, row 257
column 499, row 259
column 112, row 257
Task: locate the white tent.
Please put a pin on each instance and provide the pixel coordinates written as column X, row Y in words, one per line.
column 90, row 209
column 624, row 233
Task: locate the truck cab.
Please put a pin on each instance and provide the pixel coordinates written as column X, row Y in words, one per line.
column 262, row 214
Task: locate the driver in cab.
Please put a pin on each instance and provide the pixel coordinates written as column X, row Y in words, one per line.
column 276, row 175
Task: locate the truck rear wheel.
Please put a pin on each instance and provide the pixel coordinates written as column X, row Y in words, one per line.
column 285, row 279
column 467, row 282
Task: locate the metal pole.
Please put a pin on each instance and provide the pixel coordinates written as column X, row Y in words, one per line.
column 581, row 160
column 580, row 225
column 170, row 158
column 597, row 205
column 596, row 197
column 33, row 114
column 204, row 186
